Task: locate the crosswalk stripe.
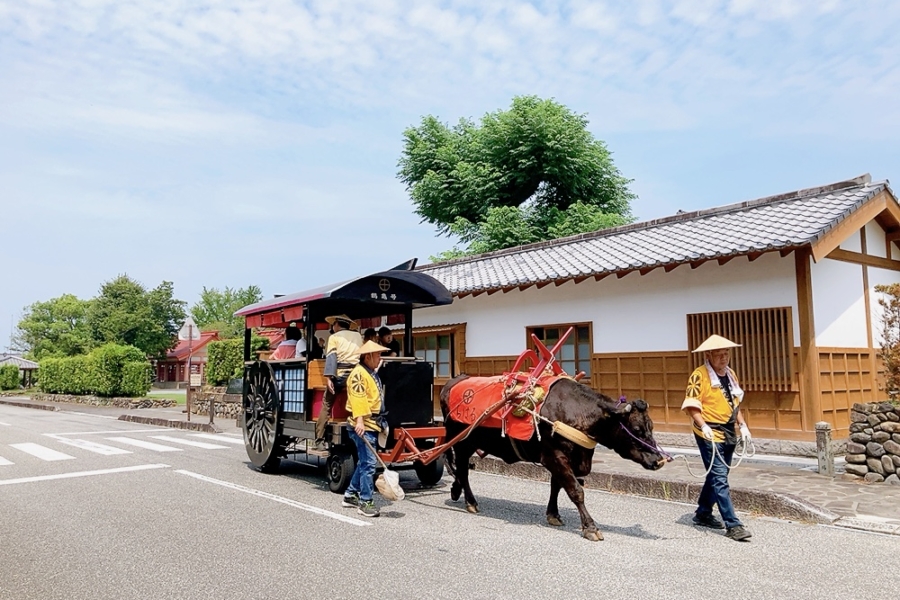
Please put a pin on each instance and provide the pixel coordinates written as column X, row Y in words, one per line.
column 144, row 444
column 175, row 440
column 4, row 462
column 219, row 438
column 94, row 447
column 41, row 452
column 5, row 424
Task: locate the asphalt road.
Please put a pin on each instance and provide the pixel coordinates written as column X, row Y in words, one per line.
column 198, row 522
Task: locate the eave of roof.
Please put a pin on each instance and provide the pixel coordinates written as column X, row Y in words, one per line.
column 777, row 223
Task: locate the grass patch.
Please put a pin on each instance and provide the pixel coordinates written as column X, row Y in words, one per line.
column 178, row 397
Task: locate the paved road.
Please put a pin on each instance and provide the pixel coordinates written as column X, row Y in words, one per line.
column 196, row 522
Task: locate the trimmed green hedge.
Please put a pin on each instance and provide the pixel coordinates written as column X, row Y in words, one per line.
column 225, row 358
column 9, row 377
column 110, row 370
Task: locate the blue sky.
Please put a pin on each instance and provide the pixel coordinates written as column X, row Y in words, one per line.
column 229, row 143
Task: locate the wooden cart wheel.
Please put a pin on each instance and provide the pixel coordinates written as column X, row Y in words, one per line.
column 340, row 470
column 431, row 473
column 262, row 417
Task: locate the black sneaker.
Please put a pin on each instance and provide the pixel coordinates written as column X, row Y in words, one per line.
column 367, row 508
column 350, row 501
column 738, row 533
column 708, row 521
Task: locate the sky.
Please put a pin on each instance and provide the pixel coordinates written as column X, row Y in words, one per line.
column 227, row 143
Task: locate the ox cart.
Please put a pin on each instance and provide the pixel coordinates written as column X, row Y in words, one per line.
column 282, row 398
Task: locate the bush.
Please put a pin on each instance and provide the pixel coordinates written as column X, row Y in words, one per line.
column 9, row 377
column 110, row 370
column 225, row 359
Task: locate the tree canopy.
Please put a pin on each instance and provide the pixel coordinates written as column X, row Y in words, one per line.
column 125, row 312
column 216, row 309
column 534, row 167
column 55, row 328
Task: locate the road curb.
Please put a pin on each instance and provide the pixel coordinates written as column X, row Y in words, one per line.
column 174, row 423
column 762, row 502
column 29, row 405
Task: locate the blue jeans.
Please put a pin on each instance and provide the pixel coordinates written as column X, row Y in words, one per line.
column 715, row 488
column 362, row 482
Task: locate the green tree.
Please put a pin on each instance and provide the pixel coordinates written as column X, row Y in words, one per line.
column 216, row 309
column 125, row 312
column 538, row 157
column 57, row 327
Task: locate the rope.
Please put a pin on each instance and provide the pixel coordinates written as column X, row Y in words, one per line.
column 741, row 456
column 566, row 431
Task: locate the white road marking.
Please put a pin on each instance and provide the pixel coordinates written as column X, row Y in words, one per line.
column 144, row 444
column 204, row 445
column 219, row 438
column 84, row 414
column 42, row 452
column 81, row 474
column 282, row 500
column 5, row 424
column 93, row 447
column 4, row 462
column 129, row 431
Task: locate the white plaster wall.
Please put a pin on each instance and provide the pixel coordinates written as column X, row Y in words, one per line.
column 875, row 240
column 839, row 304
column 879, row 277
column 852, row 243
column 635, row 313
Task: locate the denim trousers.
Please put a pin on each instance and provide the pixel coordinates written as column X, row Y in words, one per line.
column 715, row 488
column 362, row 482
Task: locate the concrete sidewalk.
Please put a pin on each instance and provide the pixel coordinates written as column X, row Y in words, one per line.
column 777, row 486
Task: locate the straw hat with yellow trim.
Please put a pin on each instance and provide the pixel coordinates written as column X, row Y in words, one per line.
column 715, row 342
column 371, row 347
column 343, row 319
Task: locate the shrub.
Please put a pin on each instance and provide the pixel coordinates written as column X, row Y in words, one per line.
column 890, row 335
column 136, row 378
column 225, row 359
column 9, row 377
column 110, row 362
column 110, row 370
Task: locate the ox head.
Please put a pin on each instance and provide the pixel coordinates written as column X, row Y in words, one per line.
column 633, row 437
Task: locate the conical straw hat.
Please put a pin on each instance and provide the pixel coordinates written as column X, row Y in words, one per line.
column 370, row 347
column 715, row 342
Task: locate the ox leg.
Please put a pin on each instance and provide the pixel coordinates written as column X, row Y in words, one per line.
column 560, row 468
column 552, row 506
column 461, row 456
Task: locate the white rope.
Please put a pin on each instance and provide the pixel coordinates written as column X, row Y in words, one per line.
column 744, row 445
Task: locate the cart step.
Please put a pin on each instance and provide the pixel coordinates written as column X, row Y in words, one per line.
column 320, row 453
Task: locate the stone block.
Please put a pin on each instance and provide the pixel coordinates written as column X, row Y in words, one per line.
column 875, row 450
column 790, row 448
column 861, row 407
column 854, row 448
column 855, row 459
column 896, row 460
column 860, row 438
column 869, row 430
column 886, row 407
column 888, row 465
column 874, row 478
column 873, row 419
column 858, row 417
column 880, row 437
column 891, row 447
column 889, row 427
column 892, row 479
column 893, row 416
column 875, row 466
column 895, row 437
column 860, row 470
column 857, row 427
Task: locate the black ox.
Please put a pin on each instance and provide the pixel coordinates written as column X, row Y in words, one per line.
column 625, row 428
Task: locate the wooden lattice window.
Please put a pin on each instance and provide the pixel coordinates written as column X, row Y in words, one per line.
column 764, row 360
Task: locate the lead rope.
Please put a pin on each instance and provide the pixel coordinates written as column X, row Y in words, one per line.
column 741, row 456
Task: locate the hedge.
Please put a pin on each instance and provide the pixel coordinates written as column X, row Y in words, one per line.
column 111, row 370
column 9, row 377
column 225, row 358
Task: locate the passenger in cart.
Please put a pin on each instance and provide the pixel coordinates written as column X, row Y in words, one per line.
column 341, row 355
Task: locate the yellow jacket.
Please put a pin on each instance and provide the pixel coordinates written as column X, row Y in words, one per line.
column 702, row 393
column 345, row 344
column 364, row 396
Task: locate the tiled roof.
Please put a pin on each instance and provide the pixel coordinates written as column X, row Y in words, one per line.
column 185, row 347
column 779, row 222
column 22, row 363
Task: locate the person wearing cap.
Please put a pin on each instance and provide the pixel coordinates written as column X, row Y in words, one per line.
column 365, row 398
column 341, row 355
column 293, row 345
column 713, row 400
column 386, row 338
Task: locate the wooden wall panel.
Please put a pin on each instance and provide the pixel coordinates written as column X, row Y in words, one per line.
column 845, row 377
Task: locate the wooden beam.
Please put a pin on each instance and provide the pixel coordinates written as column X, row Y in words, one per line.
column 578, row 280
column 645, row 270
column 493, row 291
column 525, row 286
column 853, row 223
column 600, row 276
column 785, row 251
column 810, row 400
column 559, row 282
column 892, row 236
column 543, row 284
column 621, row 274
column 671, row 267
column 873, row 366
column 722, row 260
column 478, row 293
column 859, row 258
column 696, row 263
column 754, row 255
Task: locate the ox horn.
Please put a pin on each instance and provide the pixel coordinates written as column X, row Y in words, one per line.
column 627, row 407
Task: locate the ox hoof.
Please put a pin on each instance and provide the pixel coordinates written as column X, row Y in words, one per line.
column 592, row 535
column 555, row 521
column 455, row 492
column 472, row 508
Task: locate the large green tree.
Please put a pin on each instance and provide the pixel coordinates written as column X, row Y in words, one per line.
column 125, row 312
column 535, row 166
column 216, row 309
column 55, row 328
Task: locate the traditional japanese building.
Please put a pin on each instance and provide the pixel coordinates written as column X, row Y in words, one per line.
column 189, row 356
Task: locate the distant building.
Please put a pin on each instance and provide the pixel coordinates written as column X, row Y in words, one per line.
column 173, row 370
column 27, row 368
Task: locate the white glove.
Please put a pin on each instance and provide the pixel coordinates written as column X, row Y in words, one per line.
column 745, row 433
column 707, row 432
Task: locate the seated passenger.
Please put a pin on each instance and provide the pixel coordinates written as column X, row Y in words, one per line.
column 293, row 345
column 318, row 349
column 386, row 339
column 370, row 335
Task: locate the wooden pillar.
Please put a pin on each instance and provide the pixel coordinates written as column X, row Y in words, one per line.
column 810, row 399
column 873, row 358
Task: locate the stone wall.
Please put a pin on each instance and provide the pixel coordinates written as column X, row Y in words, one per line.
column 226, row 405
column 873, row 451
column 99, row 401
